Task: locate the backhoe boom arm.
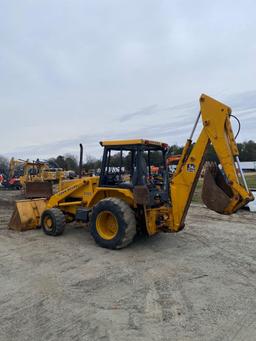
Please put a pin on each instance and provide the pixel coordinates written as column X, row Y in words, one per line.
column 217, row 130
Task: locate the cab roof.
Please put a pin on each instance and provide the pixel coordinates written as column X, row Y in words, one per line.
column 134, row 142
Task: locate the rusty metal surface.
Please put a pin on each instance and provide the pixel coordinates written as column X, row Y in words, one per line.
column 141, row 195
column 26, row 215
column 216, row 193
column 38, row 189
column 15, row 222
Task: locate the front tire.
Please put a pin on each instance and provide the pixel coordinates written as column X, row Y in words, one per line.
column 113, row 223
column 53, row 222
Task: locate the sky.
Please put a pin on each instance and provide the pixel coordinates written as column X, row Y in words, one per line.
column 84, row 71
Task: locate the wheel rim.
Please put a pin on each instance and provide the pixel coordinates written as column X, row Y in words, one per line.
column 48, row 223
column 106, row 225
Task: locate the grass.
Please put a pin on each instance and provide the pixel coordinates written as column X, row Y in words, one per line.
column 198, row 191
column 250, row 178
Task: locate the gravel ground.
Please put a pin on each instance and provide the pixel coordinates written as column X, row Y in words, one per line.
column 199, row 284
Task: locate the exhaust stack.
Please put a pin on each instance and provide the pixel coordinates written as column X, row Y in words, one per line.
column 81, row 160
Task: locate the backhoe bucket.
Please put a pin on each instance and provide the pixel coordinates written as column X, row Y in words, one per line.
column 38, row 189
column 216, row 193
column 27, row 213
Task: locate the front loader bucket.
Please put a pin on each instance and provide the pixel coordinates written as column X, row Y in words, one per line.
column 216, row 193
column 27, row 213
column 38, row 189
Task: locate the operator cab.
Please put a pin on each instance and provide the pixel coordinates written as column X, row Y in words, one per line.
column 137, row 165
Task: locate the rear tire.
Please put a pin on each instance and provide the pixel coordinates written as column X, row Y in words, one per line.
column 113, row 223
column 53, row 222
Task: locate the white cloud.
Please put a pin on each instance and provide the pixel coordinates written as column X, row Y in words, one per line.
column 77, row 70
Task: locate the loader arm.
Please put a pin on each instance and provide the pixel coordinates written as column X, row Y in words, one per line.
column 12, row 165
column 216, row 130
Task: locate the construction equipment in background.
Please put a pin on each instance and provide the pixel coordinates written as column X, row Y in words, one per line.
column 10, row 183
column 117, row 208
column 173, row 158
column 37, row 177
column 40, row 171
column 12, row 179
column 70, row 174
column 32, row 180
column 172, row 163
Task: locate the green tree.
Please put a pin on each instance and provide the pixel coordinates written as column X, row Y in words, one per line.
column 67, row 162
column 4, row 165
column 71, row 163
column 175, row 149
column 247, row 151
column 91, row 163
column 60, row 160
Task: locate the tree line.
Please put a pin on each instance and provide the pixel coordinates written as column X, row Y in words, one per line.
column 247, row 152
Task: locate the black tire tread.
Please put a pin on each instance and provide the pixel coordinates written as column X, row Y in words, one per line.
column 60, row 221
column 129, row 217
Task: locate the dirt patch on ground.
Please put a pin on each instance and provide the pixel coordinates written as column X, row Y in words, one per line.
column 198, row 284
column 5, row 203
column 8, row 197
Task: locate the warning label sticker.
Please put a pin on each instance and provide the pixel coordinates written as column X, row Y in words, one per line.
column 191, row 167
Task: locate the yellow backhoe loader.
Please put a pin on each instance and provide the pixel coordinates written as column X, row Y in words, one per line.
column 37, row 177
column 127, row 199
